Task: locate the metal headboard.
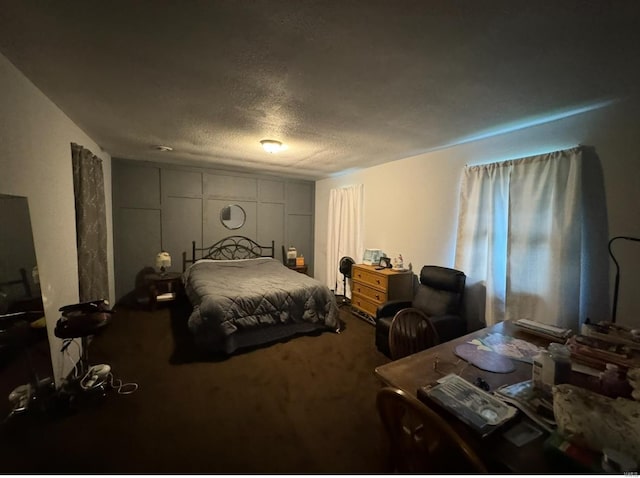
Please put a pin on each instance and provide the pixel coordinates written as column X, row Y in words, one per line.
column 229, row 248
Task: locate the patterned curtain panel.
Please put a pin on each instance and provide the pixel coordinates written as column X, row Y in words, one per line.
column 91, row 224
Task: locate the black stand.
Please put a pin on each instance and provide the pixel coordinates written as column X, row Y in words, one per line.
column 617, row 280
column 344, row 267
column 345, row 299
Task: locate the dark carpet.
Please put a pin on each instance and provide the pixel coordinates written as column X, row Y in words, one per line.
column 306, row 405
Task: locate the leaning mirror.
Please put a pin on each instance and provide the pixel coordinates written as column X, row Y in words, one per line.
column 24, row 346
column 232, row 216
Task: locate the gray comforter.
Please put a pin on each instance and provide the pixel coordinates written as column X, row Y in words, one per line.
column 235, row 296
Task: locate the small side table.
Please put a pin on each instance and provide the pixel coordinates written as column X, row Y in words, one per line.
column 300, row 269
column 163, row 287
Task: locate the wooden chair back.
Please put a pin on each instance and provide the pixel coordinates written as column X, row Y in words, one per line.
column 411, row 331
column 421, row 440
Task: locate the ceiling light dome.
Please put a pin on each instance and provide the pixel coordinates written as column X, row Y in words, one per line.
column 272, row 146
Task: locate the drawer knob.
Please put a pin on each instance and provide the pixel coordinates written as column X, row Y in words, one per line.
column 377, row 297
column 378, row 281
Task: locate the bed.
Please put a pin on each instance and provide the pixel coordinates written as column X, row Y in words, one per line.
column 242, row 297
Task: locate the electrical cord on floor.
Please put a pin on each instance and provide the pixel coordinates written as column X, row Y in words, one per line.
column 99, row 375
column 8, row 417
column 91, row 380
column 116, row 384
column 75, row 364
column 121, row 388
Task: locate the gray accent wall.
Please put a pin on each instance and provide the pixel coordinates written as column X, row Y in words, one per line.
column 165, row 207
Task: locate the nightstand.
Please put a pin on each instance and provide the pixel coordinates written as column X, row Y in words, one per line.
column 163, row 287
column 300, row 269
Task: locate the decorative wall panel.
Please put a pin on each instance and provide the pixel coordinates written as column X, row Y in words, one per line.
column 137, row 241
column 300, row 235
column 136, row 186
column 271, row 191
column 176, row 183
column 230, row 187
column 300, row 198
column 271, row 226
column 181, row 224
column 160, row 206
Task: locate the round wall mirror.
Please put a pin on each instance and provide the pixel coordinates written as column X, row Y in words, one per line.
column 232, row 216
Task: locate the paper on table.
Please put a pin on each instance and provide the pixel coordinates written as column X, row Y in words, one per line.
column 511, row 347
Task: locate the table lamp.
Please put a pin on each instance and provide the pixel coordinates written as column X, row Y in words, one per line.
column 163, row 261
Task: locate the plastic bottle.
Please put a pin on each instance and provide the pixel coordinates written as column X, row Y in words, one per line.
column 614, row 383
column 538, row 369
column 551, row 367
column 561, row 359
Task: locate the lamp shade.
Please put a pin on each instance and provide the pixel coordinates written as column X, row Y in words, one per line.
column 163, row 260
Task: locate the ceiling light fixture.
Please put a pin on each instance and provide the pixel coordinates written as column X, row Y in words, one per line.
column 272, row 146
column 164, row 149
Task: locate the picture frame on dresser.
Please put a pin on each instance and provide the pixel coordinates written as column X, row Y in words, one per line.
column 371, row 257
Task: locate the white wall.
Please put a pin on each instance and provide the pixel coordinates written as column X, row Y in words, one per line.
column 411, row 205
column 35, row 161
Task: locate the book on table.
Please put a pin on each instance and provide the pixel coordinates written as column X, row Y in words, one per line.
column 551, row 332
column 480, row 410
column 537, row 405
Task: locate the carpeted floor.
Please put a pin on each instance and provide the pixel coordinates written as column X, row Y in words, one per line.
column 302, row 406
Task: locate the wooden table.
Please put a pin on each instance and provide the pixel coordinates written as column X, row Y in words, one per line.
column 417, row 370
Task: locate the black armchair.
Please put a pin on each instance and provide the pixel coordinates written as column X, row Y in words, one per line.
column 439, row 295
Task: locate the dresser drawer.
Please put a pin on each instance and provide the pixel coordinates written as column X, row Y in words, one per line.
column 370, row 293
column 378, row 281
column 367, row 306
column 371, row 287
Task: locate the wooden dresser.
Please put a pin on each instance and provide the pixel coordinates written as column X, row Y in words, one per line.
column 371, row 287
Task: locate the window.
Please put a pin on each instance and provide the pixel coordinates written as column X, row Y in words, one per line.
column 527, row 234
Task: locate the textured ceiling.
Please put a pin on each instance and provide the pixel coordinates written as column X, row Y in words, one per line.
column 345, row 84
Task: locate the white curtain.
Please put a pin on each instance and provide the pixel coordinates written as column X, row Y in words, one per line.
column 482, row 237
column 344, row 232
column 533, row 232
